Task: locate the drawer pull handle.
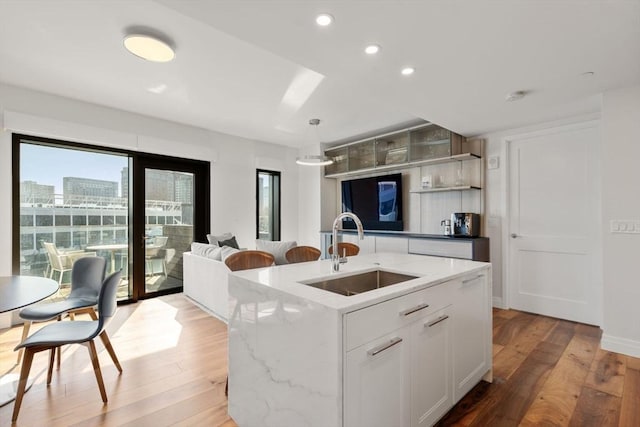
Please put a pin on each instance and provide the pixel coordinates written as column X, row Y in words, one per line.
column 384, row 346
column 479, row 276
column 438, row 320
column 414, row 309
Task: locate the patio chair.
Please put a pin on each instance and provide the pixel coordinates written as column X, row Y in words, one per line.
column 157, row 251
column 62, row 261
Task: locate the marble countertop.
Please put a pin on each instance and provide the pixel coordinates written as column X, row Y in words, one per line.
column 430, row 271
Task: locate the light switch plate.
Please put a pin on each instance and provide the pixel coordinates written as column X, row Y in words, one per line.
column 624, row 226
column 493, row 162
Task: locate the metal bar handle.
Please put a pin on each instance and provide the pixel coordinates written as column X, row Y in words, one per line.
column 414, row 309
column 383, row 347
column 438, row 320
column 471, row 280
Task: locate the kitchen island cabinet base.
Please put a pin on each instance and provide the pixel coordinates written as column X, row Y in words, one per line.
column 299, row 356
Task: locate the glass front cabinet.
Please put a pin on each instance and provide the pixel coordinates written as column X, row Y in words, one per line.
column 409, row 147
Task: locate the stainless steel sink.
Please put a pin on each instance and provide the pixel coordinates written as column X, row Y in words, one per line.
column 358, row 283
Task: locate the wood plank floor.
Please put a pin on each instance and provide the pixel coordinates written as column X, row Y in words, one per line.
column 547, row 372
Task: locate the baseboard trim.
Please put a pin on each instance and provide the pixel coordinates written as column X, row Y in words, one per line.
column 620, row 345
column 499, row 303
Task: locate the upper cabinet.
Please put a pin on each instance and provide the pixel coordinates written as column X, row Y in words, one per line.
column 421, row 145
column 392, row 149
column 433, row 142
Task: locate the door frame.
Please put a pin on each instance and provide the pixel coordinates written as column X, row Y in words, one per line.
column 137, row 198
column 279, row 204
column 202, row 193
column 507, row 270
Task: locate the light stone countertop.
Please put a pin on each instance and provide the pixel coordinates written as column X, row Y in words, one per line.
column 430, row 271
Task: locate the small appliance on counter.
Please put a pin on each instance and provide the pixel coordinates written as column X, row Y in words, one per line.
column 465, row 224
column 446, row 224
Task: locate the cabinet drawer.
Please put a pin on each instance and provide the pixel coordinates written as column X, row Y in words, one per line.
column 372, row 322
column 448, row 248
column 392, row 244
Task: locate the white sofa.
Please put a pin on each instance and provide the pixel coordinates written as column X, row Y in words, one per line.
column 206, row 276
column 205, row 281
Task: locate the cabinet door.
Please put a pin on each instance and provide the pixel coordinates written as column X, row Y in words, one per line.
column 472, row 333
column 431, row 368
column 440, row 247
column 392, row 244
column 362, row 155
column 377, row 382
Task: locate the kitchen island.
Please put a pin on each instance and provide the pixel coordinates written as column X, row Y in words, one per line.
column 399, row 355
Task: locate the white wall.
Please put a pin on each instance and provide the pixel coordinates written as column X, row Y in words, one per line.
column 620, row 253
column 310, row 197
column 621, row 201
column 234, row 160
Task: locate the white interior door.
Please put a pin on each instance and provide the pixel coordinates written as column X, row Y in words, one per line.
column 554, row 207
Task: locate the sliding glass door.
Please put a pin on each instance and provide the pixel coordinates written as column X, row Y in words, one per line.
column 176, row 206
column 138, row 211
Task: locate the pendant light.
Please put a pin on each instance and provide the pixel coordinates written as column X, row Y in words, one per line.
column 317, row 159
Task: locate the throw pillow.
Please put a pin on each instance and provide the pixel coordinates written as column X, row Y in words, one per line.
column 277, row 249
column 205, row 250
column 229, row 242
column 214, row 239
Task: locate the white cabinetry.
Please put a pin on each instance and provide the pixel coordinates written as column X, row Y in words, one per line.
column 440, row 247
column 394, row 244
column 471, row 332
column 431, row 347
column 431, row 368
column 377, row 382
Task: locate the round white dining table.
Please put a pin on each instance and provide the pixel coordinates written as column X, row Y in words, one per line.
column 17, row 292
column 20, row 291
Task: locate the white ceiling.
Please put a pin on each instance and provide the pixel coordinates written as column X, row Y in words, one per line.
column 261, row 69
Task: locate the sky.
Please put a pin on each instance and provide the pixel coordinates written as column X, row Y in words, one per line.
column 48, row 165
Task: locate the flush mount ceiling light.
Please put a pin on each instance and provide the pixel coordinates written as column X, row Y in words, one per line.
column 314, row 159
column 515, row 96
column 324, row 19
column 149, row 47
column 372, row 49
column 408, row 71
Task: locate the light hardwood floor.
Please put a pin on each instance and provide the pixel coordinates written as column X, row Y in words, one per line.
column 547, row 372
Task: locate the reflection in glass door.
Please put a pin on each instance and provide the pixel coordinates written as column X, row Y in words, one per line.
column 168, row 228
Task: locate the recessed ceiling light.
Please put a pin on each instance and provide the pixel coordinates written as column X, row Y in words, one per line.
column 372, row 49
column 408, row 71
column 149, row 48
column 515, row 96
column 324, row 19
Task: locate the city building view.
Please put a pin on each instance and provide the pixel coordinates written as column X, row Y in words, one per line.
column 90, row 217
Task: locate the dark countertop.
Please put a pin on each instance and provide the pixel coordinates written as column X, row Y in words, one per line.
column 406, row 234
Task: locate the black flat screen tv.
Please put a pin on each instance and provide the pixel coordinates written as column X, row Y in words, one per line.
column 377, row 201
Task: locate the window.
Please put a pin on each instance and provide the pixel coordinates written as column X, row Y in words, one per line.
column 85, row 198
column 267, row 205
